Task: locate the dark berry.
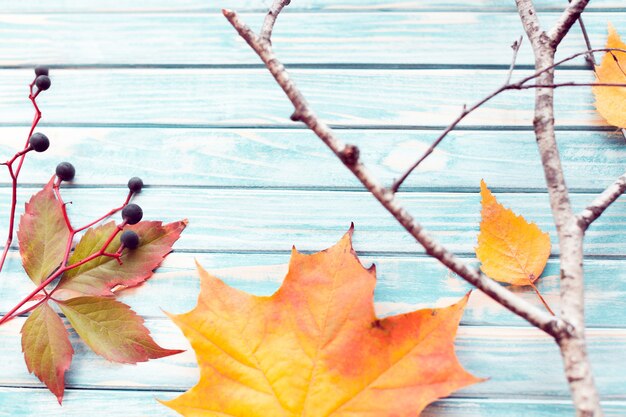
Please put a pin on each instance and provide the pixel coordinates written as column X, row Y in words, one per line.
column 41, row 70
column 132, row 213
column 135, row 184
column 65, row 171
column 39, row 142
column 43, row 82
column 130, row 239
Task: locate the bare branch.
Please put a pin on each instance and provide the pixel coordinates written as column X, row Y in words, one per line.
column 577, row 366
column 348, row 154
column 566, row 20
column 519, row 85
column 591, row 59
column 602, row 202
column 270, row 18
column 466, row 111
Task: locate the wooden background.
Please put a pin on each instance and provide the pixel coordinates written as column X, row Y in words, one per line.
column 165, row 90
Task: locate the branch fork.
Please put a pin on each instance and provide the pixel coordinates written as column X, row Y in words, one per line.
column 568, row 328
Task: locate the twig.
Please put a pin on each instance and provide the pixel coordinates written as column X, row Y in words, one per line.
column 464, row 113
column 602, row 202
column 270, row 18
column 349, row 155
column 565, row 22
column 519, row 85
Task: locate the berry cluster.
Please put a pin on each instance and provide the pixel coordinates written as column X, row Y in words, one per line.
column 131, row 213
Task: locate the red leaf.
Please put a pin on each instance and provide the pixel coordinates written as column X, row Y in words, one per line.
column 100, row 276
column 42, row 234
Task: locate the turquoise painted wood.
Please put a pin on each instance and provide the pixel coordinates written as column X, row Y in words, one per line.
column 123, row 6
column 426, row 39
column 165, row 90
column 226, row 97
column 267, row 158
column 142, row 403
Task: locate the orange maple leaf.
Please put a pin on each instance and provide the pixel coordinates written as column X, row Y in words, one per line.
column 510, row 249
column 315, row 347
column 611, row 101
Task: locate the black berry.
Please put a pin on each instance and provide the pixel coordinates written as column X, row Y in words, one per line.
column 39, row 142
column 43, row 82
column 65, row 171
column 41, row 70
column 130, row 239
column 135, row 184
column 132, row 213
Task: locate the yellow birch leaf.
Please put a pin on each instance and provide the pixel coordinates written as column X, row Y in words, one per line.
column 510, row 249
column 611, row 101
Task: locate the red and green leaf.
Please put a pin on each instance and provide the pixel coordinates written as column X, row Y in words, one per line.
column 47, row 349
column 112, row 330
column 99, row 276
column 42, row 235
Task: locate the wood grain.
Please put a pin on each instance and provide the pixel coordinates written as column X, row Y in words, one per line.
column 405, row 283
column 262, row 158
column 501, row 353
column 375, row 38
column 122, row 6
column 143, row 403
column 248, row 97
column 273, row 220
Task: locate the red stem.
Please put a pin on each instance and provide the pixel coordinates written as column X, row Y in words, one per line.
column 110, row 213
column 14, row 174
column 60, row 271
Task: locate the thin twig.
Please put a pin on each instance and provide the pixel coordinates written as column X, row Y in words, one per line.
column 349, row 155
column 519, row 85
column 270, row 18
column 602, row 202
column 464, row 113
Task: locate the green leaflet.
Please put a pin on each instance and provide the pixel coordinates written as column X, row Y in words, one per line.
column 112, row 330
column 47, row 349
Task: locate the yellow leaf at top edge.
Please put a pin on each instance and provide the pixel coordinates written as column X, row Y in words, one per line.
column 510, row 249
column 611, row 101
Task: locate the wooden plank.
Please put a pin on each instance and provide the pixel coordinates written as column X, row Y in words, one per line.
column 270, row 157
column 121, row 6
column 250, row 97
column 422, row 39
column 405, row 283
column 520, row 362
column 143, row 403
column 273, row 220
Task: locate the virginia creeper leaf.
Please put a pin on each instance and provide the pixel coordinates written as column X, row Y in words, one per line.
column 316, row 348
column 42, row 234
column 102, row 274
column 611, row 101
column 112, row 330
column 47, row 349
column 510, row 249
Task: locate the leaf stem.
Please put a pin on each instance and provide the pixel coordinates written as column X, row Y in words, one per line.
column 545, row 303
